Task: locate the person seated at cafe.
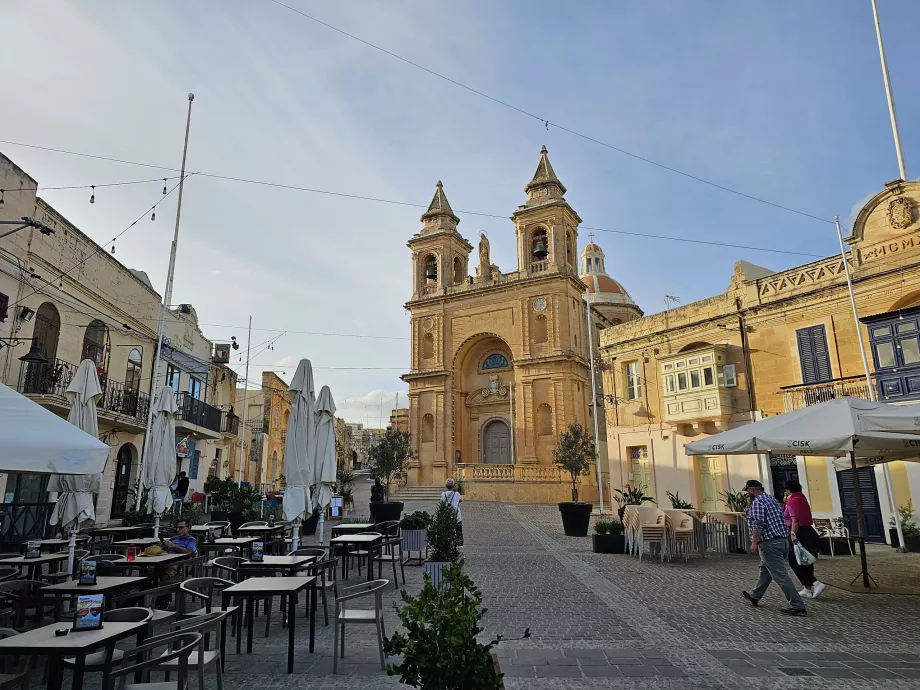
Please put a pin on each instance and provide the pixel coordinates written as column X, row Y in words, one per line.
column 183, row 542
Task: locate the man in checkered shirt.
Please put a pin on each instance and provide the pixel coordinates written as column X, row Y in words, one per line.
column 770, row 539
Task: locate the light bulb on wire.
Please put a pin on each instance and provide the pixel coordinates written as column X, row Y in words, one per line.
column 92, row 196
column 164, row 186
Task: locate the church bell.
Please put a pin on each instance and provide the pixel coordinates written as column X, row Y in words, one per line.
column 431, row 272
column 539, row 249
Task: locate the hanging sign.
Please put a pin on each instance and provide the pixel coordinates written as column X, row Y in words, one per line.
column 182, row 448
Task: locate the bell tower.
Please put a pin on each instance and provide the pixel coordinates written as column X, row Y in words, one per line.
column 440, row 254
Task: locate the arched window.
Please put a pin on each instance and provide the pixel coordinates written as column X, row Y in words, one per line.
column 539, row 329
column 47, row 329
column 428, row 428
column 122, row 484
column 539, row 246
column 40, row 378
column 431, row 269
column 545, row 420
column 428, row 346
column 458, row 271
column 96, row 346
column 133, row 371
column 495, row 361
column 569, row 243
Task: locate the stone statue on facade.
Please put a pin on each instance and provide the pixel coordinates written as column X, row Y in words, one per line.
column 485, row 265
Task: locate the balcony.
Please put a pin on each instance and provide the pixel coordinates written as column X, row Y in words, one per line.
column 197, row 418
column 258, row 426
column 539, row 266
column 508, row 473
column 698, row 386
column 119, row 405
column 229, row 425
column 797, row 397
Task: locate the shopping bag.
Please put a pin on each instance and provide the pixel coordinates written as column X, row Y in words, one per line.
column 802, row 556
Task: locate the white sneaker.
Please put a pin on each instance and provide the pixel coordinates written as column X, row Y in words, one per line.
column 818, row 587
column 806, row 593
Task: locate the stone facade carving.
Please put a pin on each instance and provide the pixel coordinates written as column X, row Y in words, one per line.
column 888, row 247
column 811, row 275
column 485, row 265
column 900, row 214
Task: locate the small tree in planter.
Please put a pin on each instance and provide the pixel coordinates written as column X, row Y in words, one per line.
column 609, row 537
column 442, row 541
column 440, row 649
column 573, row 454
column 387, row 459
column 677, row 503
column 630, row 496
column 908, row 528
column 414, row 532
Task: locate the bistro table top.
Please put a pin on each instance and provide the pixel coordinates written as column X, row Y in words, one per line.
column 356, row 539
column 204, row 528
column 125, row 530
column 231, row 541
column 140, row 541
column 279, row 562
column 44, row 558
column 148, row 560
column 44, row 641
column 353, row 526
column 260, row 528
column 61, row 542
column 269, row 585
column 103, row 584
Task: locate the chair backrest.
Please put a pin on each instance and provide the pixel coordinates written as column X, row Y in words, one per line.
column 217, row 523
column 21, row 588
column 823, row 526
column 255, row 523
column 390, row 527
column 679, row 520
column 149, row 598
column 15, row 664
column 202, row 589
column 105, row 557
column 176, row 646
column 8, row 574
column 131, row 614
column 649, row 515
column 315, row 552
column 365, row 589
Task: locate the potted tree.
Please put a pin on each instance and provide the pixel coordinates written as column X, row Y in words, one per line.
column 609, row 537
column 388, row 458
column 908, row 528
column 442, row 541
column 440, row 648
column 630, row 496
column 573, row 453
column 414, row 532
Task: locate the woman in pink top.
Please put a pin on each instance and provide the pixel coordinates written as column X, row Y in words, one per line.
column 797, row 513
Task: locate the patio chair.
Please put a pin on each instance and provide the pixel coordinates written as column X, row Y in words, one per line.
column 358, row 554
column 14, row 672
column 10, row 573
column 648, row 527
column 679, row 526
column 388, row 550
column 345, row 616
column 327, row 570
column 20, row 596
column 177, row 646
column 254, row 523
column 228, row 567
column 97, row 662
column 203, row 657
column 162, row 601
column 826, row 528
column 201, row 590
column 221, row 527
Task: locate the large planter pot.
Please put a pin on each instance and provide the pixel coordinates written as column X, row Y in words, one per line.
column 384, row 511
column 435, row 570
column 912, row 544
column 308, row 526
column 609, row 543
column 893, row 537
column 220, row 516
column 498, row 670
column 414, row 540
column 575, row 518
column 235, row 519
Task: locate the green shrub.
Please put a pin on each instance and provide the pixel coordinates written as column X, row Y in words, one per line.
column 442, row 534
column 601, row 526
column 420, row 519
column 677, row 503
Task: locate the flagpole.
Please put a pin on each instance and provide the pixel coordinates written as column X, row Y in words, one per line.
column 886, row 471
column 597, row 449
column 245, row 401
column 902, row 166
column 164, row 307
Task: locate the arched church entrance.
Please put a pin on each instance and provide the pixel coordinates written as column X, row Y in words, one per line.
column 496, row 443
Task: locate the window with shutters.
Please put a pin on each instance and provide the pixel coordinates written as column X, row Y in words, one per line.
column 813, row 354
column 895, row 343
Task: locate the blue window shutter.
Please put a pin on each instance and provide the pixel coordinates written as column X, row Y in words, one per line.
column 813, row 354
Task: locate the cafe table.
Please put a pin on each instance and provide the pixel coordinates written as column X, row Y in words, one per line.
column 351, row 528
column 262, row 587
column 371, row 542
column 140, row 543
column 121, row 531
column 55, row 545
column 227, row 543
column 104, row 585
column 34, row 565
column 289, row 565
column 153, row 563
column 43, row 642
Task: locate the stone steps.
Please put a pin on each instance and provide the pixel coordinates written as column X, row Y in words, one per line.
column 418, row 493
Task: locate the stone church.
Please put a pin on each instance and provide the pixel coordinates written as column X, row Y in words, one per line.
column 499, row 365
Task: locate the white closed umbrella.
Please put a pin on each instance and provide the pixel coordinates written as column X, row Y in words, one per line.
column 324, row 471
column 160, row 468
column 75, row 502
column 833, row 428
column 299, row 450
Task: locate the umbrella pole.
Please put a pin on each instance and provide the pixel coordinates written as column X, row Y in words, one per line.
column 71, row 551
column 295, row 535
column 857, row 499
column 322, row 524
column 156, row 526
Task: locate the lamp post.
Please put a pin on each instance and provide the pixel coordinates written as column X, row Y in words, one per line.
column 26, row 222
column 33, row 356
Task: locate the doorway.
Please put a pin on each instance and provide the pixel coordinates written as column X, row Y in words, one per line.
column 496, row 443
column 122, row 482
column 873, row 524
column 710, row 474
column 782, row 469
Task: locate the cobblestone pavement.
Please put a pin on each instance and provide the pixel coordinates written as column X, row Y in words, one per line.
column 610, row 621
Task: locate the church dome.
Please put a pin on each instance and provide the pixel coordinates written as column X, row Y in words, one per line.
column 605, row 293
column 599, row 282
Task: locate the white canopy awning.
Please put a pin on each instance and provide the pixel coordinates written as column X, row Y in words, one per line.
column 831, row 428
column 903, row 419
column 33, row 439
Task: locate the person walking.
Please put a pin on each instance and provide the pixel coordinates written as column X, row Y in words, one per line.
column 377, row 491
column 452, row 498
column 797, row 514
column 770, row 540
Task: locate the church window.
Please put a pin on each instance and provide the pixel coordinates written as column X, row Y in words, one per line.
column 597, row 264
column 545, row 420
column 458, row 271
column 431, row 268
column 428, row 428
column 428, row 346
column 539, row 329
column 495, row 361
column 568, row 249
column 539, row 245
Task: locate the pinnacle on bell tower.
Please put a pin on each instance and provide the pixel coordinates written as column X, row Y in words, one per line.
column 544, row 185
column 440, row 216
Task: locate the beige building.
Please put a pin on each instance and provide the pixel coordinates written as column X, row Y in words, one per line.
column 399, row 419
column 499, row 364
column 773, row 342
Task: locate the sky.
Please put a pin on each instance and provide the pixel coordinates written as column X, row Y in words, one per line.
column 782, row 100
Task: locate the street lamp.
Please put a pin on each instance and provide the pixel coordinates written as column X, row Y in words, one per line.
column 33, row 356
column 27, row 222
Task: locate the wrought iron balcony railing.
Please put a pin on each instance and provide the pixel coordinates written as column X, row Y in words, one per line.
column 797, row 397
column 197, row 412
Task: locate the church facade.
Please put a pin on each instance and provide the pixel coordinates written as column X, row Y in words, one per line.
column 499, row 363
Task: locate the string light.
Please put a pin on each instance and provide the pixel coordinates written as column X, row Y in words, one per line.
column 153, row 215
column 92, row 197
column 1, row 197
column 164, row 186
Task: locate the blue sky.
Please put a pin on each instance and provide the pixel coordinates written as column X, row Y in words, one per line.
column 782, row 100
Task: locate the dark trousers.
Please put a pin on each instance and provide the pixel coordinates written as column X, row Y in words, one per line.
column 812, row 542
column 460, row 534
